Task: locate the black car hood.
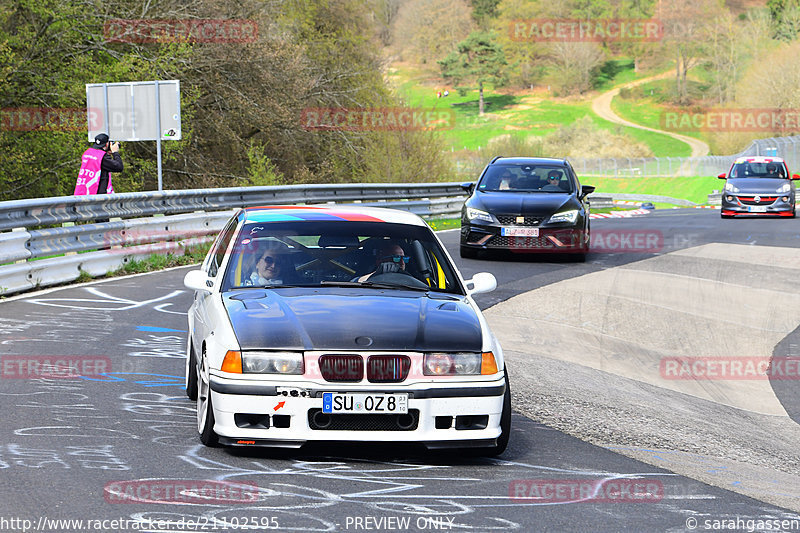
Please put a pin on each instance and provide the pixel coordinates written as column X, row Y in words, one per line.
column 530, row 203
column 352, row 319
column 758, row 185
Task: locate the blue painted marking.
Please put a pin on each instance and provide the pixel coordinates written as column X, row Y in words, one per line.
column 160, row 330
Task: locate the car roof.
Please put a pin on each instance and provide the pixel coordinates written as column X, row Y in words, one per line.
column 758, row 159
column 529, row 160
column 289, row 213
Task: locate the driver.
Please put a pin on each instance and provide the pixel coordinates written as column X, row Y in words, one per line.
column 772, row 170
column 391, row 258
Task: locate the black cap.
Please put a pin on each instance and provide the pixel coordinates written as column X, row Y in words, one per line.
column 101, row 139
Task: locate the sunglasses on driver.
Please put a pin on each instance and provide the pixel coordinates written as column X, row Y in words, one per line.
column 396, row 258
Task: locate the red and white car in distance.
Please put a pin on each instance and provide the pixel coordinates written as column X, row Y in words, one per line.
column 758, row 186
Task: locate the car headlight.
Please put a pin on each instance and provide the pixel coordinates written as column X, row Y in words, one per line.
column 565, row 216
column 785, row 188
column 461, row 364
column 477, row 214
column 272, row 362
column 730, row 187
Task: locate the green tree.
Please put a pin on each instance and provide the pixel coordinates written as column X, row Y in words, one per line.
column 477, row 59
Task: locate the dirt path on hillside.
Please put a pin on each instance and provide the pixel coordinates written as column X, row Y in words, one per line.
column 601, row 106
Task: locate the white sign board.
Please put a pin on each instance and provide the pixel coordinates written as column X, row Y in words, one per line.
column 135, row 111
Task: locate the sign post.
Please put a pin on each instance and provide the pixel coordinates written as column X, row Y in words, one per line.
column 135, row 111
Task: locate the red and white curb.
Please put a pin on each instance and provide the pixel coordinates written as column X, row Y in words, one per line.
column 621, row 214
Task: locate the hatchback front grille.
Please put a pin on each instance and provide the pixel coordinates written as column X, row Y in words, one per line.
column 762, row 200
column 520, row 242
column 512, row 220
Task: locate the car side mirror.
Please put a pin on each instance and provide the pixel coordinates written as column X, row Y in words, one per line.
column 468, row 186
column 481, row 282
column 796, row 176
column 197, row 280
column 587, row 190
column 722, row 176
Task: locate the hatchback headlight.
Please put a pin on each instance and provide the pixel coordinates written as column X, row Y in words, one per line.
column 272, row 362
column 785, row 188
column 459, row 364
column 730, row 187
column 477, row 214
column 565, row 216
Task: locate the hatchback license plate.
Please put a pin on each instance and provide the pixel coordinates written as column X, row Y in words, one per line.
column 519, row 232
column 333, row 402
column 758, row 209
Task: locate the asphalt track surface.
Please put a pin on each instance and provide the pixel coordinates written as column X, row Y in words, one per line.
column 67, row 444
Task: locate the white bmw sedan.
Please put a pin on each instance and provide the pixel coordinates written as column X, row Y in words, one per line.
column 341, row 324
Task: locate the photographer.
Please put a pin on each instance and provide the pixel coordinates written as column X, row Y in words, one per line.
column 96, row 163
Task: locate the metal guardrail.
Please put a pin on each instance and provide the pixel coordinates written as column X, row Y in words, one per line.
column 146, row 223
column 142, row 224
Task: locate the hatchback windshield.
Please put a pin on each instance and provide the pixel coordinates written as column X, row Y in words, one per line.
column 343, row 253
column 526, row 178
column 759, row 170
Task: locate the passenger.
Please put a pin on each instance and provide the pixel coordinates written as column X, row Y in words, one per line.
column 272, row 266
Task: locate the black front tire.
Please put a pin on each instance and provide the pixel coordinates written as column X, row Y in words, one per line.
column 208, row 436
column 191, row 378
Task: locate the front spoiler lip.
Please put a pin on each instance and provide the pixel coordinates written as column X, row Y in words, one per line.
column 296, row 444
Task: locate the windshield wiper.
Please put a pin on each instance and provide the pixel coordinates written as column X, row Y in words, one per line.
column 373, row 285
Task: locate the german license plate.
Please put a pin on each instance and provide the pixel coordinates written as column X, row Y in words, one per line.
column 519, row 232
column 758, row 209
column 333, row 402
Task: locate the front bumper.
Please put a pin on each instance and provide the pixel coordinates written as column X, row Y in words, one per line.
column 288, row 413
column 768, row 205
column 554, row 239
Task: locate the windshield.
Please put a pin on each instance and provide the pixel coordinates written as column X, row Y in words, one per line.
column 325, row 253
column 526, row 178
column 759, row 170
